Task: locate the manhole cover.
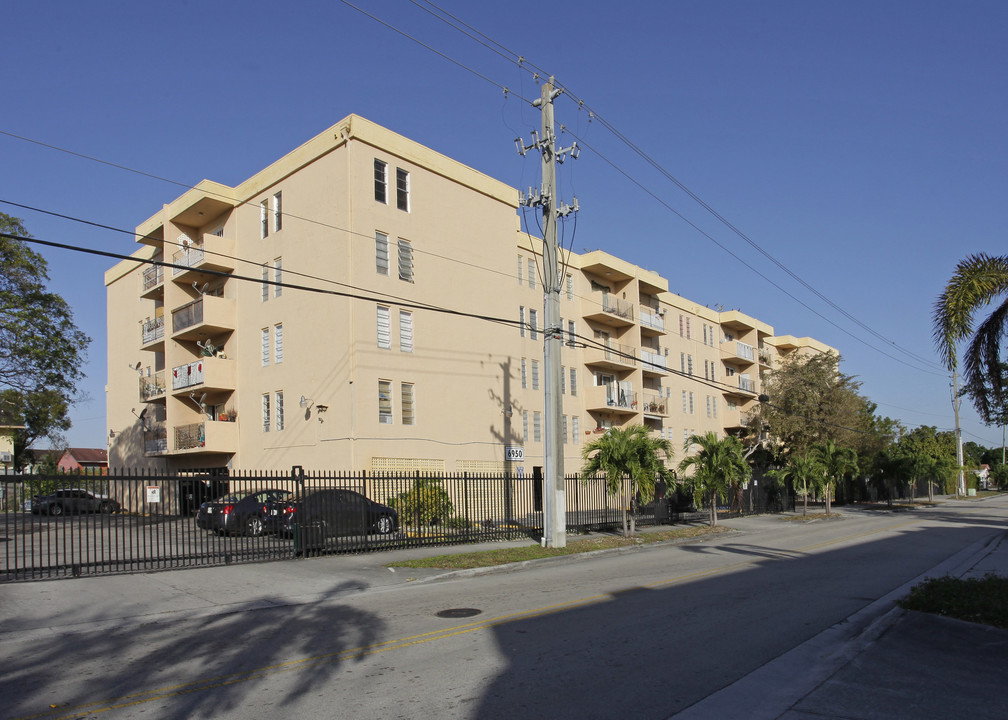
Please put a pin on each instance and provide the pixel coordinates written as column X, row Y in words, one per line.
column 458, row 613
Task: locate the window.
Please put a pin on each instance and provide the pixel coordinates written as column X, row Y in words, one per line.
column 405, row 331
column 402, row 189
column 681, row 331
column 563, row 380
column 385, row 402
column 407, row 403
column 714, row 404
column 277, row 213
column 279, row 410
column 537, row 426
column 682, row 363
column 685, row 407
column 687, row 329
column 691, row 404
column 534, row 324
column 266, row 412
column 570, row 287
column 525, row 435
column 520, row 269
column 265, row 347
column 563, row 429
column 384, row 328
column 570, row 333
column 576, row 429
column 278, row 343
column 380, row 181
column 521, row 320
column 531, row 273
column 264, row 219
column 524, row 375
column 405, row 260
column 689, row 364
column 265, row 283
column 535, row 374
column 381, row 253
column 573, row 382
column 277, row 277
column 708, row 406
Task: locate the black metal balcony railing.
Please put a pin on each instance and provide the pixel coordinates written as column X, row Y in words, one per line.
column 152, row 277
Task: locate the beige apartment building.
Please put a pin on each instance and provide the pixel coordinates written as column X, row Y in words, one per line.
column 366, row 303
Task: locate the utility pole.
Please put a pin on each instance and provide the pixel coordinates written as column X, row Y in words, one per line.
column 554, row 495
column 956, row 399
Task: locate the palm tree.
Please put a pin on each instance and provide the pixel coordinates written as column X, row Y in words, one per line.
column 978, row 280
column 804, row 469
column 716, row 468
column 836, row 462
column 628, row 452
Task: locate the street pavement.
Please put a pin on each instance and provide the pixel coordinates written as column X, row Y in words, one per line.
column 881, row 662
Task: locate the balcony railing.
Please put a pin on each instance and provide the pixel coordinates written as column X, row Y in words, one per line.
column 746, row 384
column 190, row 436
column 152, row 387
column 744, row 351
column 651, row 360
column 654, row 404
column 152, row 330
column 152, row 277
column 187, row 258
column 615, row 306
column 651, row 319
column 156, row 440
column 187, row 375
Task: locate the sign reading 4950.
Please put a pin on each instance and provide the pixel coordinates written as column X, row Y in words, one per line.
column 514, row 454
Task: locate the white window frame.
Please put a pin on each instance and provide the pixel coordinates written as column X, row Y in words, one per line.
column 277, row 212
column 278, row 343
column 405, row 331
column 266, row 422
column 278, row 276
column 533, row 324
column 535, row 374
column 264, row 219
column 265, row 347
column 407, row 396
column 524, row 375
column 405, row 253
column 536, row 426
column 381, row 253
column 265, row 282
column 384, row 402
column 381, row 181
column 279, row 412
column 384, row 327
column 576, row 429
column 402, row 189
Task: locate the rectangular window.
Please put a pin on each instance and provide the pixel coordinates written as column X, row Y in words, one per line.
column 570, row 333
column 681, row 330
column 563, row 429
column 277, row 277
column 265, row 347
column 264, row 218
column 277, row 213
column 278, row 343
column 524, row 375
column 537, row 426
column 265, row 283
column 402, row 189
column 682, row 363
column 535, row 374
column 573, row 382
column 521, row 320
column 279, row 410
column 691, row 409
column 384, row 402
column 380, row 181
column 576, row 429
column 408, row 417
column 520, row 270
column 685, row 407
column 266, row 412
column 534, row 324
column 525, row 435
column 570, row 287
column 384, row 327
column 405, row 260
column 687, row 329
column 689, row 364
column 714, row 404
column 708, row 406
column 405, row 331
column 381, row 253
column 531, row 273
column 563, row 380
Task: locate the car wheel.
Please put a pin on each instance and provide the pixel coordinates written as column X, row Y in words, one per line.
column 55, row 509
column 106, row 508
column 254, row 526
column 384, row 525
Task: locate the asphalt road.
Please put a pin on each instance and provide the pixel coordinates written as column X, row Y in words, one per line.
column 645, row 634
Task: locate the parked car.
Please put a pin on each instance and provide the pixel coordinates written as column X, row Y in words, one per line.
column 329, row 512
column 72, row 501
column 247, row 513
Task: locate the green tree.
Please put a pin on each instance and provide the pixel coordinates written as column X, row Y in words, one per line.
column 628, row 452
column 715, row 469
column 42, row 352
column 978, row 281
column 837, row 462
column 802, row 471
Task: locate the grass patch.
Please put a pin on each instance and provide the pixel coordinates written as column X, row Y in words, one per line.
column 504, row 556
column 979, row 600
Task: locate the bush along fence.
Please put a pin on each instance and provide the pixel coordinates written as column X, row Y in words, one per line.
column 70, row 525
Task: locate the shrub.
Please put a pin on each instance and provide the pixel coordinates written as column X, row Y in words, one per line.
column 426, row 503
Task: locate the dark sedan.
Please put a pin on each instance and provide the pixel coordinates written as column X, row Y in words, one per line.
column 330, row 512
column 246, row 513
column 73, row 500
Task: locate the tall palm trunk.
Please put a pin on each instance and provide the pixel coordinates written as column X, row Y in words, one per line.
column 713, row 509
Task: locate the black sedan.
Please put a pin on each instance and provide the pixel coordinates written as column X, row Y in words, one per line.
column 329, row 512
column 246, row 513
column 73, row 500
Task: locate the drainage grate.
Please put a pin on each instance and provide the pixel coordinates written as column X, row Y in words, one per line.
column 458, row 613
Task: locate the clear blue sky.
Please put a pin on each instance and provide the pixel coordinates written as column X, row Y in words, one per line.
column 860, row 144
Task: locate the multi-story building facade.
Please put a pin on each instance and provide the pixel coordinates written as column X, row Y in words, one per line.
column 355, row 306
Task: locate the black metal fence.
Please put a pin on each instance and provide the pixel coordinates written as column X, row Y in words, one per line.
column 72, row 525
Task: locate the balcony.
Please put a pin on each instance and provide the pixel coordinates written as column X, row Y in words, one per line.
column 213, row 253
column 613, row 356
column 153, row 387
column 209, row 436
column 738, row 353
column 210, row 373
column 156, row 440
column 152, row 332
column 609, row 398
column 654, row 404
column 651, row 322
column 208, row 316
column 746, row 388
column 652, row 362
column 611, row 311
column 152, row 282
